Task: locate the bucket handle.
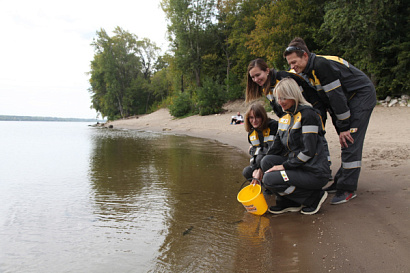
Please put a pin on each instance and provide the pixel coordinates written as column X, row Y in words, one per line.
column 250, row 180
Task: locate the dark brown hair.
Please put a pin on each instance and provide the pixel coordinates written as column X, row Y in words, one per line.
column 253, row 90
column 298, row 46
column 258, row 111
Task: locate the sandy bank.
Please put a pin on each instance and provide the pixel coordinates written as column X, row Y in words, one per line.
column 369, row 234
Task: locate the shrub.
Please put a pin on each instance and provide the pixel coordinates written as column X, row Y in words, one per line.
column 211, row 97
column 234, row 88
column 181, row 105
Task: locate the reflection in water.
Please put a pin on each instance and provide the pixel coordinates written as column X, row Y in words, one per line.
column 103, row 200
column 172, row 197
column 171, row 201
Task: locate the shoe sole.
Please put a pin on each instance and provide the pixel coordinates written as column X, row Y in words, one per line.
column 290, row 209
column 322, row 200
column 353, row 195
column 331, row 191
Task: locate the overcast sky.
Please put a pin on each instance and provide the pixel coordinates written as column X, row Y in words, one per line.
column 45, row 50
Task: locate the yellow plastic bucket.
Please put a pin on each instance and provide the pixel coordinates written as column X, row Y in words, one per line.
column 253, row 200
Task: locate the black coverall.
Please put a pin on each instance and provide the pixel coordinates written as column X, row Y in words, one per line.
column 350, row 98
column 298, row 146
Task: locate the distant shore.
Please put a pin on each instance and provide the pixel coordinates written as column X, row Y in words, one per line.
column 34, row 118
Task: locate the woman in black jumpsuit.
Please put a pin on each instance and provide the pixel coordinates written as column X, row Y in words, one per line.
column 296, row 167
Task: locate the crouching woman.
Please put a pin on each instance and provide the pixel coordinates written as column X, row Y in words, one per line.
column 296, row 166
column 261, row 133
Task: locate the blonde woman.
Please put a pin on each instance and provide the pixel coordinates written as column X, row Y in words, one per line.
column 296, row 166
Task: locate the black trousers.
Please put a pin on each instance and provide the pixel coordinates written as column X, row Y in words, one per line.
column 347, row 176
column 248, row 171
column 296, row 185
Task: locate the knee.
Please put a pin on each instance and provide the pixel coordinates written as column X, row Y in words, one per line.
column 247, row 172
column 274, row 182
column 271, row 160
column 265, row 164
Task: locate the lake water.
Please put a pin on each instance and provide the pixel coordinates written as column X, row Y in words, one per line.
column 75, row 198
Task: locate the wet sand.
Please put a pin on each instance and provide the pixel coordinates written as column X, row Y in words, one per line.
column 371, row 233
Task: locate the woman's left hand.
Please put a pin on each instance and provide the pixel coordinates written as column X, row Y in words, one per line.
column 275, row 168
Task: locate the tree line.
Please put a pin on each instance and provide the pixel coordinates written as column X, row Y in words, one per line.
column 211, row 43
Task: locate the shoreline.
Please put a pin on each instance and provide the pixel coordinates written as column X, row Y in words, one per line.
column 210, row 127
column 369, row 233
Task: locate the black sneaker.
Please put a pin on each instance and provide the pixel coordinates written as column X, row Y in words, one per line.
column 342, row 197
column 279, row 208
column 316, row 206
column 331, row 188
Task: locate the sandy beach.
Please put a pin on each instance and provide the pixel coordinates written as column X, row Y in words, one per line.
column 368, row 234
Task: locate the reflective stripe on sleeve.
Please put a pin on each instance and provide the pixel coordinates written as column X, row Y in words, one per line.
column 303, row 157
column 343, row 116
column 332, row 85
column 318, row 87
column 310, row 129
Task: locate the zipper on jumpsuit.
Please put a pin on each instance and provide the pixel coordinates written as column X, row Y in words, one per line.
column 292, row 119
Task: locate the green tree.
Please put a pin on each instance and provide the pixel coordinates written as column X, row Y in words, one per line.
column 120, row 74
column 236, row 22
column 279, row 22
column 115, row 64
column 189, row 31
column 374, row 36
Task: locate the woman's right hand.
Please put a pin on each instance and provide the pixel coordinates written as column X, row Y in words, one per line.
column 275, row 168
column 258, row 174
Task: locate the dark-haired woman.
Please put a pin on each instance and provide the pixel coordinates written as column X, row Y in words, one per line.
column 262, row 80
column 261, row 132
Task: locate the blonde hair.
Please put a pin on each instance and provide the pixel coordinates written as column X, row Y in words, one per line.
column 289, row 89
column 258, row 111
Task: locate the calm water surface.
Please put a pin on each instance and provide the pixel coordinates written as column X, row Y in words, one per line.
column 79, row 199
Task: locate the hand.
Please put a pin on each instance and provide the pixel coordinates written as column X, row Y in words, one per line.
column 344, row 137
column 275, row 168
column 258, row 174
column 255, row 182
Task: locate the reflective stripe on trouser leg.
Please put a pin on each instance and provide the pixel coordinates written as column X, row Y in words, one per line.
column 289, row 190
column 299, row 187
